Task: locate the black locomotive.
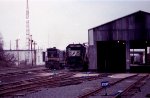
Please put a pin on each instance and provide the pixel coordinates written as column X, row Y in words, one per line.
column 54, row 58
column 76, row 57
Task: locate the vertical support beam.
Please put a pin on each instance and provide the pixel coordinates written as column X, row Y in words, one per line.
column 146, row 62
column 128, row 56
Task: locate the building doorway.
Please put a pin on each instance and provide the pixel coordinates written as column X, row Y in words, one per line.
column 111, row 56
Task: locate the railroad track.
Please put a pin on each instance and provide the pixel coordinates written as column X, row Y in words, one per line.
column 11, row 73
column 6, row 89
column 55, row 81
column 20, row 72
column 20, row 75
column 98, row 90
column 62, row 79
column 133, row 88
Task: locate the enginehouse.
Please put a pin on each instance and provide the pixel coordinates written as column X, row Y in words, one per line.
column 121, row 45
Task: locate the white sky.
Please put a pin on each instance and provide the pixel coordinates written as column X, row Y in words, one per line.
column 60, row 22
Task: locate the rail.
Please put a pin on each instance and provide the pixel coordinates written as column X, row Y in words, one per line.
column 56, row 81
column 90, row 93
column 129, row 91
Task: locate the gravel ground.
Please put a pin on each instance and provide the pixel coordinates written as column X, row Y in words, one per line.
column 71, row 91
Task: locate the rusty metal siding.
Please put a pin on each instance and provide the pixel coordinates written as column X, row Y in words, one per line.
column 91, row 50
column 92, row 58
column 101, row 35
column 128, row 28
column 148, row 21
column 148, row 26
column 120, row 29
column 90, row 37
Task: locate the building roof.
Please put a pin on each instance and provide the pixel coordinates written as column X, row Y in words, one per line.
column 138, row 12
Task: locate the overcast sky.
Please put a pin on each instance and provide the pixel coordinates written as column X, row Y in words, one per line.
column 60, row 22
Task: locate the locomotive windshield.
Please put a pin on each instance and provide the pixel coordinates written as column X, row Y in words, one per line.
column 52, row 53
column 74, row 53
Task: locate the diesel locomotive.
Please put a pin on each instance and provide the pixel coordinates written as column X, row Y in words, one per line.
column 54, row 58
column 76, row 57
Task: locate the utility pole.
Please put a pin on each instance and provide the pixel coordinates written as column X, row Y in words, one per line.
column 17, row 44
column 34, row 44
column 31, row 49
column 34, row 52
column 10, row 44
column 17, row 49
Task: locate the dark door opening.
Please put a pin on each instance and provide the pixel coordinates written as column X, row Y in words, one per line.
column 111, row 56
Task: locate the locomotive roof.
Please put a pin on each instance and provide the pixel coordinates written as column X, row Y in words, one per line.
column 54, row 48
column 75, row 45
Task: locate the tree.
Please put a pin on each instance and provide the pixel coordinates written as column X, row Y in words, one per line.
column 6, row 59
column 1, row 48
